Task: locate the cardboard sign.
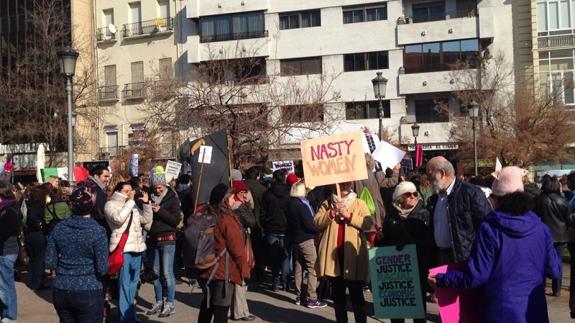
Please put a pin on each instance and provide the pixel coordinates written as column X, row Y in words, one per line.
column 456, row 305
column 395, row 282
column 388, row 155
column 172, row 170
column 205, row 155
column 334, row 159
column 283, row 164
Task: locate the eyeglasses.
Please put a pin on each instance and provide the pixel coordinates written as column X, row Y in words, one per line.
column 410, row 194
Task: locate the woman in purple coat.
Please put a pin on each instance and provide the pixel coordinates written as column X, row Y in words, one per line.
column 511, row 257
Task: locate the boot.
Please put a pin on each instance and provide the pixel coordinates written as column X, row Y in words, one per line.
column 360, row 314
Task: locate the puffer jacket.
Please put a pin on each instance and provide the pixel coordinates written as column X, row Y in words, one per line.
column 467, row 206
column 118, row 210
column 554, row 212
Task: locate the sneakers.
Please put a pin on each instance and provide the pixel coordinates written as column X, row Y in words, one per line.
column 168, row 310
column 157, row 308
column 316, row 303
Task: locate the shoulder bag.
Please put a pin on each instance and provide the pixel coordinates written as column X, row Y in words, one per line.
column 116, row 257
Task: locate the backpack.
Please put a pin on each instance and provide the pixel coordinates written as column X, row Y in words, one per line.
column 54, row 213
column 199, row 241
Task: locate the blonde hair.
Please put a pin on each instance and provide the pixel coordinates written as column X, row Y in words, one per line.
column 298, row 190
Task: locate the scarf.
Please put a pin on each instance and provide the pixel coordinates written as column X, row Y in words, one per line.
column 158, row 198
column 403, row 212
column 100, row 184
column 347, row 200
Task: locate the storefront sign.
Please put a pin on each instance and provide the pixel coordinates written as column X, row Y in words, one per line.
column 426, row 147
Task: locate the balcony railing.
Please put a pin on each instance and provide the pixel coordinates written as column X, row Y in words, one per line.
column 104, row 35
column 109, row 152
column 233, row 36
column 437, row 17
column 148, row 27
column 108, row 93
column 133, row 91
column 556, row 41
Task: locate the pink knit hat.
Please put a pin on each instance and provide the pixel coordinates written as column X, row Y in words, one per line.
column 508, row 180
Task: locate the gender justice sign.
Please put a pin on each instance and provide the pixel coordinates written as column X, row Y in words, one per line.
column 334, row 159
column 395, row 282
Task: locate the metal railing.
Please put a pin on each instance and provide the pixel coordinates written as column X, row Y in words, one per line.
column 133, row 91
column 103, row 34
column 556, row 41
column 148, row 27
column 468, row 13
column 107, row 152
column 233, row 36
column 108, row 93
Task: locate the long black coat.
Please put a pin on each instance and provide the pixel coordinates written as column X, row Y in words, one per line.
column 553, row 210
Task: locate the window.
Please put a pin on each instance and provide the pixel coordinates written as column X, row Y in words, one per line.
column 363, row 13
column 366, row 110
column 166, row 68
column 441, row 56
column 303, row 19
column 243, row 71
column 163, row 9
column 557, row 69
column 431, row 11
column 110, row 75
column 112, row 139
column 136, row 135
column 108, row 17
column 135, row 12
column 429, row 111
column 230, row 27
column 302, row 113
column 137, row 69
column 555, row 15
column 365, row 61
column 300, row 66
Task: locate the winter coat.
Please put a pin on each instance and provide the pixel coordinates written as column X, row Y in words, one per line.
column 168, row 217
column 35, row 216
column 229, row 234
column 258, row 191
column 118, row 210
column 467, row 206
column 9, row 227
column 510, row 259
column 54, row 212
column 300, row 222
column 275, row 203
column 554, row 212
column 101, row 198
column 355, row 256
column 78, row 250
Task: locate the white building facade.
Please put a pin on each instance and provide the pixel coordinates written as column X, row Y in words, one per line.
column 413, row 43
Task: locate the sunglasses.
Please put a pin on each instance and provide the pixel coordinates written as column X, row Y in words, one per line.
column 410, row 194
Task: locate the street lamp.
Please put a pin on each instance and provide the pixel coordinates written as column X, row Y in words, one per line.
column 473, row 114
column 68, row 57
column 415, row 132
column 379, row 88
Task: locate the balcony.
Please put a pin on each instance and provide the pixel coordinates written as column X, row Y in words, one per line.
column 233, row 36
column 556, row 41
column 103, row 35
column 133, row 91
column 110, row 152
column 431, row 82
column 438, row 30
column 148, row 28
column 108, row 93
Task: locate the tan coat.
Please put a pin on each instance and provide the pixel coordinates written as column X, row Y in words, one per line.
column 356, row 266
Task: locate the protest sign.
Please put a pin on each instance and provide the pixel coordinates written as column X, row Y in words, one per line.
column 172, row 170
column 283, row 164
column 388, row 155
column 205, row 155
column 334, row 159
column 395, row 282
column 455, row 304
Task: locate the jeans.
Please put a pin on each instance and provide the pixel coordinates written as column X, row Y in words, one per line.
column 279, row 257
column 8, row 301
column 128, row 285
column 340, row 301
column 79, row 306
column 165, row 255
column 36, row 243
column 556, row 284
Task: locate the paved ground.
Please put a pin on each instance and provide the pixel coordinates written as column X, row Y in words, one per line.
column 268, row 306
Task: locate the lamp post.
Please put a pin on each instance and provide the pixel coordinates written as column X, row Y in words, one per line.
column 379, row 88
column 68, row 57
column 473, row 114
column 415, row 132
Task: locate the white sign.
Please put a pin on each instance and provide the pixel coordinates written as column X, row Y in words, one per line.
column 283, row 164
column 172, row 170
column 205, row 155
column 427, row 147
column 388, row 155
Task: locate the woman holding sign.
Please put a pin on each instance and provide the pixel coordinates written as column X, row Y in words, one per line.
column 343, row 256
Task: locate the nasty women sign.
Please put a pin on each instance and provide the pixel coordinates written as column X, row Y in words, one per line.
column 395, row 282
column 334, row 159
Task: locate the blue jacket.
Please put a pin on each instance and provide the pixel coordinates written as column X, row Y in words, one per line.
column 510, row 259
column 78, row 250
column 300, row 221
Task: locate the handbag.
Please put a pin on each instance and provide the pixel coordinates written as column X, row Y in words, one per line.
column 250, row 259
column 23, row 257
column 116, row 257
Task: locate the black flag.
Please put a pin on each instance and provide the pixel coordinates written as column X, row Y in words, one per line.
column 213, row 173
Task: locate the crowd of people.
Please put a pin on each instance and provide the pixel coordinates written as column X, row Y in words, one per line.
column 271, row 230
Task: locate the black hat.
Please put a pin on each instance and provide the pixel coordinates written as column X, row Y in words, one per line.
column 218, row 193
column 83, row 200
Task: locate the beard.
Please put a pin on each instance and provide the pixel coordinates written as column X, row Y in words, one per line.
column 437, row 186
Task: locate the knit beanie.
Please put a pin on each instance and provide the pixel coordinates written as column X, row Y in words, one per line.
column 292, row 179
column 218, row 193
column 508, row 180
column 238, row 186
column 403, row 188
column 83, row 200
column 237, row 175
column 158, row 179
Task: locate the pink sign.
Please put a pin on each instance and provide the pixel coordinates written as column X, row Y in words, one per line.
column 456, row 305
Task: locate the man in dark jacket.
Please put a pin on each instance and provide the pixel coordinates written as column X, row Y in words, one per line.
column 257, row 190
column 457, row 209
column 99, row 179
column 274, row 223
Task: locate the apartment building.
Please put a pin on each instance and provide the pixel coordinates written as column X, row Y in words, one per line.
column 413, row 43
column 137, row 44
